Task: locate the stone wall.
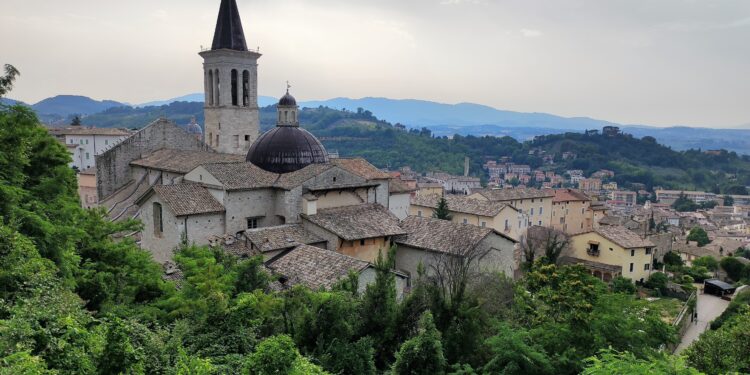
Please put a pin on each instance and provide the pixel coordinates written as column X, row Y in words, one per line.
column 113, row 166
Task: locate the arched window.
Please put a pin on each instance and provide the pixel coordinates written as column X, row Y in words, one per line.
column 217, row 90
column 234, row 87
column 279, row 116
column 210, row 139
column 286, row 116
column 245, row 88
column 210, row 87
column 158, row 224
column 294, row 116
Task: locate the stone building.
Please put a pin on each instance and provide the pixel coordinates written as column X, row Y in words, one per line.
column 85, row 143
column 501, row 217
column 571, row 211
column 232, row 120
column 612, row 251
column 428, row 241
column 87, row 188
column 535, row 203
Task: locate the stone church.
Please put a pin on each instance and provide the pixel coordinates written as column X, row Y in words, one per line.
column 278, row 194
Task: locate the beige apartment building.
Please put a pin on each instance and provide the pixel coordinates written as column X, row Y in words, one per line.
column 503, row 218
column 571, row 211
column 534, row 203
column 612, row 251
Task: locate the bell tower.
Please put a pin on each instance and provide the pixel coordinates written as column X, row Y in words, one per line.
column 230, row 75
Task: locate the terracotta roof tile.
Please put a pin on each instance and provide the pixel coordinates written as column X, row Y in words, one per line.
column 280, row 237
column 241, row 175
column 82, row 130
column 623, row 236
column 188, row 199
column 361, row 167
column 458, row 203
column 357, row 222
column 183, row 161
column 569, row 195
column 396, row 186
column 441, row 235
column 513, row 194
column 314, row 267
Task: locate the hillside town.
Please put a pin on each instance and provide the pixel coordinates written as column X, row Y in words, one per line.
column 227, row 248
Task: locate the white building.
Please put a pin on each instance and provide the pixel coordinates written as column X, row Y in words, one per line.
column 85, row 143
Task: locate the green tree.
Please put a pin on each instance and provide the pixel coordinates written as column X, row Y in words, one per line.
column 707, row 261
column 724, row 350
column 76, row 121
column 441, row 211
column 699, row 235
column 379, row 309
column 278, row 355
column 6, row 81
column 610, row 362
column 736, row 190
column 514, row 353
column 622, row 285
column 733, row 267
column 672, row 259
column 728, row 200
column 658, row 281
column 422, row 354
column 684, row 204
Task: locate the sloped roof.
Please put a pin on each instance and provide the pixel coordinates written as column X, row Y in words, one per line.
column 361, row 167
column 590, row 264
column 188, row 199
column 280, row 237
column 357, row 222
column 459, row 203
column 293, row 179
column 183, row 161
column 83, row 130
column 442, row 235
column 569, row 195
column 228, row 33
column 241, row 175
column 315, row 267
column 623, row 236
column 512, row 194
column 396, row 186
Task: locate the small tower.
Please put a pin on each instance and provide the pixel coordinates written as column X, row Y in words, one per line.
column 287, row 110
column 232, row 121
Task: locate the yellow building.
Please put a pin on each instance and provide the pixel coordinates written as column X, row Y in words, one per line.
column 612, row 251
column 503, row 218
column 534, row 203
column 87, row 188
column 571, row 211
column 429, row 188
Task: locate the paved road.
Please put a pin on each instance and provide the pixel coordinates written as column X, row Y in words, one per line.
column 709, row 308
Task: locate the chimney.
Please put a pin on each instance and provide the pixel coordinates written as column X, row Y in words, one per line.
column 466, row 166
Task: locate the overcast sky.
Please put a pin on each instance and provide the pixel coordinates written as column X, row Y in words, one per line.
column 655, row 62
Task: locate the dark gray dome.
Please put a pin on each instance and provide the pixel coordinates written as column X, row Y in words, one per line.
column 286, row 149
column 194, row 128
column 287, row 99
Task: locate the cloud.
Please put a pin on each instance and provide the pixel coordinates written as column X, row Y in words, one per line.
column 530, row 33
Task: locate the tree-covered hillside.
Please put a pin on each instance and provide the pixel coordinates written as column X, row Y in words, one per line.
column 359, row 133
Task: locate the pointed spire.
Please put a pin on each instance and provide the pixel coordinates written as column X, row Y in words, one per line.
column 229, row 34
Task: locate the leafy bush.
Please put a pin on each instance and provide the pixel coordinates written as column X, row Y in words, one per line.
column 658, row 282
column 623, row 285
column 735, row 269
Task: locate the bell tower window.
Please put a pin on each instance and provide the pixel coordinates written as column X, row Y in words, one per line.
column 245, row 88
column 234, row 87
column 210, row 87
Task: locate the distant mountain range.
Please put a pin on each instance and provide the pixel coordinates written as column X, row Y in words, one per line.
column 442, row 119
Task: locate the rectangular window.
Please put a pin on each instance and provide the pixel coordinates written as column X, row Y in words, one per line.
column 210, row 139
column 71, row 141
column 593, row 249
column 646, row 267
column 648, row 251
column 631, row 267
column 81, row 141
column 540, row 223
column 158, row 225
column 541, row 210
column 217, row 140
column 87, row 141
column 531, row 213
column 87, row 156
column 507, row 226
column 466, row 221
column 362, row 242
column 484, row 224
column 419, row 213
column 106, row 142
column 632, row 252
column 252, row 222
column 247, row 138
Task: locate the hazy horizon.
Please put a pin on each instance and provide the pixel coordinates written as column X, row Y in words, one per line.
column 675, row 62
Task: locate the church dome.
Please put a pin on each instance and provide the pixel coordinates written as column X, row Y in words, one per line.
column 287, row 99
column 286, row 149
column 193, row 127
